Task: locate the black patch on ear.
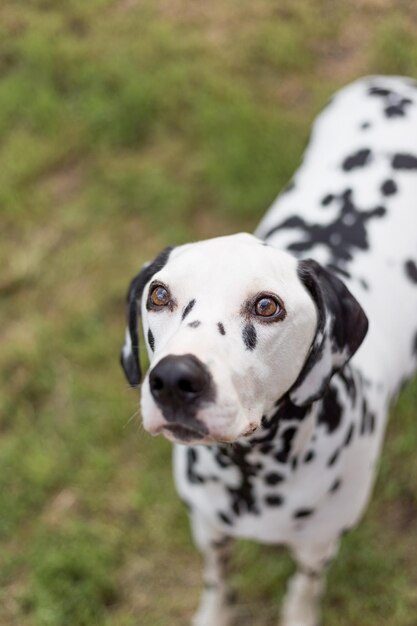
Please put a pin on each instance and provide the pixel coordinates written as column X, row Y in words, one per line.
column 341, row 328
column 129, row 357
column 338, row 270
column 249, row 336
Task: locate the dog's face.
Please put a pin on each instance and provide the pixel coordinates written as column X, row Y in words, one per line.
column 229, row 324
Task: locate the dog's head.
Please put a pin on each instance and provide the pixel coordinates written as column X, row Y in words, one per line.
column 232, row 325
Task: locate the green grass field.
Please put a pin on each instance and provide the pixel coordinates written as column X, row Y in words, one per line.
column 127, row 125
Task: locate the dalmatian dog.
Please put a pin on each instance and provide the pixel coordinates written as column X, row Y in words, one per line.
column 274, row 358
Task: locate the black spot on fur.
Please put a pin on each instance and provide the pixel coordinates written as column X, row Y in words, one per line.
column 335, row 486
column 368, row 419
column 286, row 410
column 273, row 478
column 379, row 91
column 151, row 340
column 349, row 435
column 294, row 463
column 342, row 236
column 365, row 125
column 274, row 500
column 331, row 410
column 249, row 336
column 347, row 378
column 394, row 105
column 411, row 271
column 389, row 187
column 309, row 456
column 326, row 200
column 194, row 324
column 287, row 438
column 221, row 456
column 404, row 162
column 188, row 309
column 225, row 518
column 357, row 159
column 242, row 497
column 333, row 458
column 394, row 110
column 302, row 513
column 221, row 328
column 192, row 474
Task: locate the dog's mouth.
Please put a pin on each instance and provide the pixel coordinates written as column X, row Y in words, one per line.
column 183, row 433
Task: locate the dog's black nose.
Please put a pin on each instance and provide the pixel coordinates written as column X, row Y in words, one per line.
column 179, row 382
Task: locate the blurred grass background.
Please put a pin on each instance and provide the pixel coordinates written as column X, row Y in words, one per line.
column 127, row 125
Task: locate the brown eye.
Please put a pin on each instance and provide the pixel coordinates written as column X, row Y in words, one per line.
column 267, row 307
column 160, row 296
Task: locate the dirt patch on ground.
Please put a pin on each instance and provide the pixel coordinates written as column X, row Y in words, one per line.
column 65, row 182
column 400, row 515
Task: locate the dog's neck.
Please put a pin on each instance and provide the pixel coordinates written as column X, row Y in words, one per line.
column 286, row 430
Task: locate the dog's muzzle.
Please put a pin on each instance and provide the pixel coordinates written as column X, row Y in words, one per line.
column 180, row 385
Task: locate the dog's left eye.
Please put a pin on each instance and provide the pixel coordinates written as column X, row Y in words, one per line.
column 267, row 306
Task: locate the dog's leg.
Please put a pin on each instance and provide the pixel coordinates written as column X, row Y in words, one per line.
column 302, row 602
column 215, row 603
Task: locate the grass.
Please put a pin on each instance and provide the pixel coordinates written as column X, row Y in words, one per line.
column 126, row 126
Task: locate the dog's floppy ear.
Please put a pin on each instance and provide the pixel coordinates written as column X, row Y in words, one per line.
column 342, row 326
column 129, row 357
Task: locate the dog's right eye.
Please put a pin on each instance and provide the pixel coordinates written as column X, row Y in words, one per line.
column 159, row 296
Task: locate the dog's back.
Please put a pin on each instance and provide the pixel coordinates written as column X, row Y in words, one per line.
column 352, row 206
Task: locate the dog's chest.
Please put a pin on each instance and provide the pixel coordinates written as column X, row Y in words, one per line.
column 295, row 477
